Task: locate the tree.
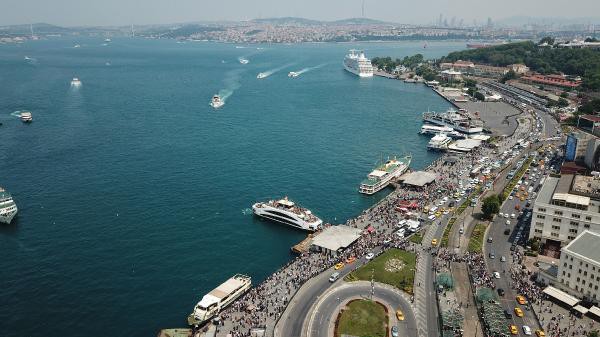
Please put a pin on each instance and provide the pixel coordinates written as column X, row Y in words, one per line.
column 491, row 206
column 591, row 39
column 549, row 40
column 480, row 96
column 593, row 333
column 510, row 75
column 563, row 102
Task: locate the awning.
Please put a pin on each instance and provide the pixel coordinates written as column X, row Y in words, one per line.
column 581, row 309
column 561, row 296
column 595, row 310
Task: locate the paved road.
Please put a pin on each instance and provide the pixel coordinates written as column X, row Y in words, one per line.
column 321, row 321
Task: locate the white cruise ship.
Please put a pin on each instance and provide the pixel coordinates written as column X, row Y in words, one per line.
column 439, row 142
column 458, row 121
column 288, row 213
column 356, row 63
column 212, row 303
column 8, row 208
column 383, row 173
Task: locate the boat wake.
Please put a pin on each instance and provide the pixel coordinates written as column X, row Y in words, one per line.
column 16, row 114
column 273, row 71
column 31, row 60
column 232, row 83
column 247, row 211
column 305, row 70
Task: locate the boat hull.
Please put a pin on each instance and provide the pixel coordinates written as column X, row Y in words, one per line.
column 285, row 218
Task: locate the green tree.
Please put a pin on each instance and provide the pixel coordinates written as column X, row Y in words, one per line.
column 510, row 75
column 549, row 40
column 480, row 96
column 564, row 95
column 593, row 333
column 491, row 206
column 562, row 102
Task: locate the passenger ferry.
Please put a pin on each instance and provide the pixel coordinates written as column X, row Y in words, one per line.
column 26, row 117
column 8, row 208
column 212, row 303
column 288, row 213
column 216, row 102
column 429, row 129
column 383, row 173
column 439, row 142
column 457, row 120
column 356, row 63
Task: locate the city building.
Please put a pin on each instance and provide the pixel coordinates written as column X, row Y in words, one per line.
column 589, row 123
column 560, row 81
column 577, row 145
column 564, row 208
column 489, row 71
column 579, row 267
column 519, row 68
column 451, row 75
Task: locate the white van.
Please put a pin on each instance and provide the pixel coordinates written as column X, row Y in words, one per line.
column 334, row 277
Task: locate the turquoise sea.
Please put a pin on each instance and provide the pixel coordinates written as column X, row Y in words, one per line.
column 135, row 195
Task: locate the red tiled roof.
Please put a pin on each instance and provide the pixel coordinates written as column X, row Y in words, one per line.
column 592, row 118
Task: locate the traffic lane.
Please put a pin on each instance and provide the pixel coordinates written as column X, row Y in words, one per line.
column 324, row 312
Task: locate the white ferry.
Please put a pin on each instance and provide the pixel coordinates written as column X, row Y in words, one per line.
column 454, row 119
column 288, row 213
column 75, row 82
column 429, row 129
column 356, row 63
column 212, row 303
column 439, row 142
column 26, row 117
column 8, row 208
column 383, row 173
column 216, row 102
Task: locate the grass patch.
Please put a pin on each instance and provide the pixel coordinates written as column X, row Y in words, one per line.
column 447, row 230
column 363, row 318
column 476, row 240
column 513, row 182
column 379, row 267
column 416, row 238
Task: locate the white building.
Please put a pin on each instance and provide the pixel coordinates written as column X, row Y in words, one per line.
column 579, row 267
column 564, row 208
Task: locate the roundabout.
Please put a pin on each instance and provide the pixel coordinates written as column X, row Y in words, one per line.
column 321, row 322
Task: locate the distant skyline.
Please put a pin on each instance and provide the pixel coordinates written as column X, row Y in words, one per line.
column 125, row 12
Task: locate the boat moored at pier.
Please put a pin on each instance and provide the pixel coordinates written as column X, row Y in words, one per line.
column 457, row 120
column 357, row 63
column 212, row 303
column 8, row 208
column 287, row 212
column 383, row 173
column 439, row 142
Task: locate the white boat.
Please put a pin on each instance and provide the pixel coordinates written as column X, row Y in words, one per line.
column 459, row 121
column 439, row 142
column 287, row 212
column 383, row 173
column 8, row 208
column 428, row 129
column 356, row 63
column 243, row 60
column 75, row 82
column 293, row 74
column 76, row 46
column 216, row 102
column 27, row 58
column 107, row 40
column 261, row 75
column 26, row 117
column 212, row 303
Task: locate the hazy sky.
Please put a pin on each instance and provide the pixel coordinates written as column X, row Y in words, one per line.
column 124, row 12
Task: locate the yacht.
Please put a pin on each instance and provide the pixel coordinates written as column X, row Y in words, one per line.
column 457, row 120
column 293, row 74
column 429, row 129
column 26, row 117
column 216, row 102
column 261, row 75
column 8, row 208
column 288, row 213
column 439, row 142
column 212, row 303
column 76, row 46
column 75, row 82
column 356, row 63
column 383, row 173
column 243, row 60
column 107, row 40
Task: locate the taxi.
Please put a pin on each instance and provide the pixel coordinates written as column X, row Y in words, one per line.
column 521, row 299
column 519, row 312
column 339, row 266
column 540, row 333
column 399, row 315
column 350, row 259
column 513, row 330
column 434, row 242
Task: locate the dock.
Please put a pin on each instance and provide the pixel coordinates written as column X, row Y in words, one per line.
column 304, row 245
column 177, row 332
column 385, row 74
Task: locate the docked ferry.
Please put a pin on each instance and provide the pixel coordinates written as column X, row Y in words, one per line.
column 439, row 142
column 287, row 212
column 356, row 63
column 383, row 173
column 454, row 119
column 8, row 208
column 212, row 303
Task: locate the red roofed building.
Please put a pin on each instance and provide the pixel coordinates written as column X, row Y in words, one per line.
column 554, row 80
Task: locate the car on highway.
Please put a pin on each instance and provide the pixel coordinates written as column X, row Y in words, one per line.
column 490, row 239
column 334, row 277
column 350, row 259
column 339, row 266
column 512, row 216
column 503, row 259
column 461, row 231
column 521, row 299
column 513, row 330
column 501, row 292
column 519, row 312
column 399, row 315
column 508, row 222
column 369, row 256
column 507, row 231
column 507, row 314
column 540, row 333
column 434, row 242
column 526, row 330
column 496, row 275
column 492, row 255
column 394, row 331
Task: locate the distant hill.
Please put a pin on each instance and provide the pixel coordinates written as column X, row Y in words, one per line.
column 515, row 21
column 38, row 28
column 308, row 22
column 359, row 21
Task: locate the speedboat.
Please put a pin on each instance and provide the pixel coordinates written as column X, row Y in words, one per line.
column 75, row 82
column 76, row 46
column 243, row 60
column 293, row 74
column 26, row 117
column 107, row 40
column 216, row 102
column 261, row 75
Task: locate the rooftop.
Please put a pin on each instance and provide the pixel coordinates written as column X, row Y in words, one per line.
column 419, row 178
column 585, row 246
column 587, row 185
column 336, row 237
